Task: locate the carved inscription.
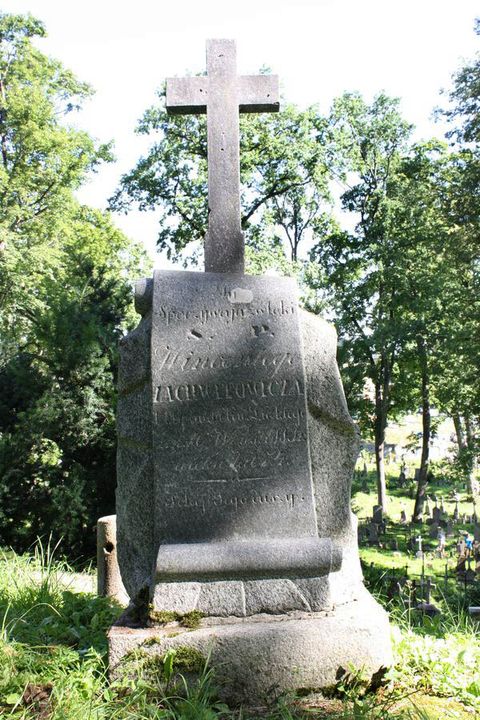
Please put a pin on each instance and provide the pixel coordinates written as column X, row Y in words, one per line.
column 230, row 391
column 231, row 502
column 225, row 314
column 192, row 361
column 229, row 409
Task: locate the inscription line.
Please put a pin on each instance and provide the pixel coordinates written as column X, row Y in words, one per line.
column 233, row 479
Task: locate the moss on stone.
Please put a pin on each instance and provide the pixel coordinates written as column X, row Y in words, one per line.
column 152, row 641
column 189, row 620
column 185, row 659
column 188, row 658
column 161, row 617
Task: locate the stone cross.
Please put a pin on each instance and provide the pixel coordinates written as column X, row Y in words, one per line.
column 221, row 94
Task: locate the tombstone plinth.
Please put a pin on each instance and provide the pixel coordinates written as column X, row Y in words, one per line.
column 235, row 458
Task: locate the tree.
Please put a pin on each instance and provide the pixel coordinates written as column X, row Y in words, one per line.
column 361, row 266
column 464, row 112
column 41, row 162
column 463, row 208
column 284, row 177
column 420, row 228
column 65, row 297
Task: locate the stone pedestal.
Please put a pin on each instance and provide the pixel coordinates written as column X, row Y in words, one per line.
column 235, row 457
column 260, row 657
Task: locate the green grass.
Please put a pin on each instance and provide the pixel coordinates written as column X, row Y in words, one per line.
column 53, row 664
column 398, row 499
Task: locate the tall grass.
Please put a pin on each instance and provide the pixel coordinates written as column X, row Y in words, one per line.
column 53, row 663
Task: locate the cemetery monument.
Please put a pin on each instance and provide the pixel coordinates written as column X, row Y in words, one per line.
column 236, row 452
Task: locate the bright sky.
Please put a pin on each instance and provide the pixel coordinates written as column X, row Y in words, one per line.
column 319, row 48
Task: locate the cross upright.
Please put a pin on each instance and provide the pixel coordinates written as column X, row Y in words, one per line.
column 221, row 94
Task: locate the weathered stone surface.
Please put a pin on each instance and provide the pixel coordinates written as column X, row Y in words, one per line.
column 243, row 598
column 273, row 596
column 334, row 444
column 179, row 597
column 221, row 94
column 109, row 581
column 230, row 444
column 333, row 449
column 316, row 592
column 135, row 539
column 263, row 656
column 134, row 361
column 260, row 558
column 223, row 599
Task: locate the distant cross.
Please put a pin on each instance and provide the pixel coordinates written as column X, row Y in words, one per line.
column 221, row 95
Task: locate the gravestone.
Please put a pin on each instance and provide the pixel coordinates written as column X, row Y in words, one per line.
column 470, row 575
column 436, row 515
column 377, row 514
column 372, row 534
column 236, row 453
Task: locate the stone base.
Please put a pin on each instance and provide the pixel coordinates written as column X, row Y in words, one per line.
column 262, row 656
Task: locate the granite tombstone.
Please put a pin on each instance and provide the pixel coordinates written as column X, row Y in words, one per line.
column 236, row 452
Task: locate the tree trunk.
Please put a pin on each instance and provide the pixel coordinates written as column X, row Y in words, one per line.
column 380, row 425
column 426, row 432
column 465, row 442
column 457, row 422
column 470, row 454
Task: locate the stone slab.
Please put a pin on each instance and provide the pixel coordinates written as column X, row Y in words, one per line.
column 256, row 659
column 230, row 438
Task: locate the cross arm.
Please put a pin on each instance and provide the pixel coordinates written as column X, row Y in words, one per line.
column 258, row 93
column 187, row 96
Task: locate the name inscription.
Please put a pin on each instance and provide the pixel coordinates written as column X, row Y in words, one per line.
column 270, row 361
column 260, row 389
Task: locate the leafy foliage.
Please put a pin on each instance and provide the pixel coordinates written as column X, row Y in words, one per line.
column 283, row 169
column 65, row 301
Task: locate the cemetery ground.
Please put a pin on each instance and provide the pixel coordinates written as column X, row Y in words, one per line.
column 53, row 638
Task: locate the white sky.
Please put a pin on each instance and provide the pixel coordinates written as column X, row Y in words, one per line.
column 320, row 48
